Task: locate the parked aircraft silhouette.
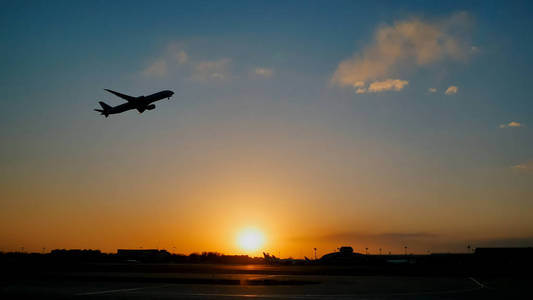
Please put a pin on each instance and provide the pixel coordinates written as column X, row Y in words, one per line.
column 140, row 103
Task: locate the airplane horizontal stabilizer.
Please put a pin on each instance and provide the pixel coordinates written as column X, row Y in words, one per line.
column 105, row 109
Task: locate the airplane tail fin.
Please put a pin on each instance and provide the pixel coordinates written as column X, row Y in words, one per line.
column 105, row 109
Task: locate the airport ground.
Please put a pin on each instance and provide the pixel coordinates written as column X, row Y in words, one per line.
column 201, row 281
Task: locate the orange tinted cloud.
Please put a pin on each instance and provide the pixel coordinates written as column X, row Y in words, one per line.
column 387, row 85
column 451, row 90
column 512, row 124
column 265, row 72
column 408, row 43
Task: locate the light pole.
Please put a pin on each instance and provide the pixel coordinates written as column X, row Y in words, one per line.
column 315, row 252
column 405, row 248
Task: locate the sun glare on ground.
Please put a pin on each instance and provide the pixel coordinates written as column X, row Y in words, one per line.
column 250, row 239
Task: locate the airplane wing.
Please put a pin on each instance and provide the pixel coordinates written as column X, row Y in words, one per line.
column 125, row 97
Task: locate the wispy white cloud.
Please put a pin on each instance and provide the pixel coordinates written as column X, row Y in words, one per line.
column 176, row 58
column 512, row 124
column 157, row 68
column 264, row 72
column 451, row 90
column 213, row 69
column 182, row 57
column 176, row 53
column 432, row 90
column 409, row 43
column 173, row 56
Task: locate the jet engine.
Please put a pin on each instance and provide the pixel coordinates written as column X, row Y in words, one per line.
column 150, row 107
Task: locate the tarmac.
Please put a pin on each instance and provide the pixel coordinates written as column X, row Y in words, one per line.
column 236, row 283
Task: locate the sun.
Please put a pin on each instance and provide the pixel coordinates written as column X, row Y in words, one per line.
column 250, row 239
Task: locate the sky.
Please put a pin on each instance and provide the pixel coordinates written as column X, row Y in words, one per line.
column 320, row 124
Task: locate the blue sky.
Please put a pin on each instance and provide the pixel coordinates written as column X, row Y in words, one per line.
column 256, row 101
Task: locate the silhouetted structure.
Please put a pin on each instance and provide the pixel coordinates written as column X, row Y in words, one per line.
column 344, row 256
column 145, row 255
column 346, row 249
column 485, row 262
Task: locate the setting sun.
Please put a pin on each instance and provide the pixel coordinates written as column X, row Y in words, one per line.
column 250, row 239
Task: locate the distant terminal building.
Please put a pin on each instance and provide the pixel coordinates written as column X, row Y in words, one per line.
column 344, row 256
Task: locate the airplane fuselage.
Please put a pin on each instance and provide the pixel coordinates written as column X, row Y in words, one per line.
column 142, row 101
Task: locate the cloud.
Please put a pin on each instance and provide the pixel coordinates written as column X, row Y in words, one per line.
column 451, row 90
column 360, row 90
column 512, row 124
column 390, row 236
column 173, row 56
column 526, row 241
column 182, row 57
column 176, row 59
column 157, row 69
column 387, row 85
column 265, row 72
column 416, row 241
column 381, row 86
column 411, row 43
column 211, row 69
column 524, row 167
column 432, row 90
column 175, row 52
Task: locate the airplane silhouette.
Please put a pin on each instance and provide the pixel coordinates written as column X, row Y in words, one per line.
column 140, row 103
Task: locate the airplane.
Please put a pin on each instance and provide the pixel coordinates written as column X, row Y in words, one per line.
column 140, row 103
